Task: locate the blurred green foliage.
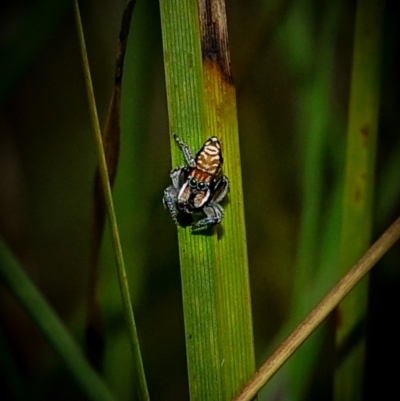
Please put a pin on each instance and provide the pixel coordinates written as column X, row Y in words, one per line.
column 291, row 62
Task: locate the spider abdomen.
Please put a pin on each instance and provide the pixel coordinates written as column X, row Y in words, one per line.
column 209, row 158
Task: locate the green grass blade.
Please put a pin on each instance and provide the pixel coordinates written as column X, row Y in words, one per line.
column 182, row 58
column 94, row 332
column 358, row 191
column 139, row 378
column 16, row 280
column 236, row 335
column 214, row 268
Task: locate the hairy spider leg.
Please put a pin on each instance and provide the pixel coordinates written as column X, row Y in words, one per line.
column 171, row 193
column 177, row 175
column 221, row 189
column 186, row 151
column 214, row 213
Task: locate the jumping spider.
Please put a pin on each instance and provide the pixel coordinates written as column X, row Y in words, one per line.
column 198, row 186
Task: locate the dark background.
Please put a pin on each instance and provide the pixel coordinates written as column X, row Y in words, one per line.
column 47, row 163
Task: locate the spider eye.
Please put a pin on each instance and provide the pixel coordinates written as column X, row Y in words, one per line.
column 193, row 182
column 201, row 185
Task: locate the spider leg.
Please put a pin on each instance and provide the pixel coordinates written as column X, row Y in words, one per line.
column 214, row 213
column 170, row 198
column 169, row 201
column 221, row 189
column 178, row 176
column 186, row 151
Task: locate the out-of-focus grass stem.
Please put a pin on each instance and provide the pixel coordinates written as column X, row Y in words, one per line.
column 140, row 379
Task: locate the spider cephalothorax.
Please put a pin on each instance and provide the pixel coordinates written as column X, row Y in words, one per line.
column 198, row 187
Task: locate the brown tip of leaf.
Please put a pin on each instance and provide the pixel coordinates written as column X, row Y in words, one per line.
column 214, row 36
column 123, row 40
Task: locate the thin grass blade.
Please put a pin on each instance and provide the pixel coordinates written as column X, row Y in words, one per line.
column 139, row 377
column 111, row 142
column 358, row 193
